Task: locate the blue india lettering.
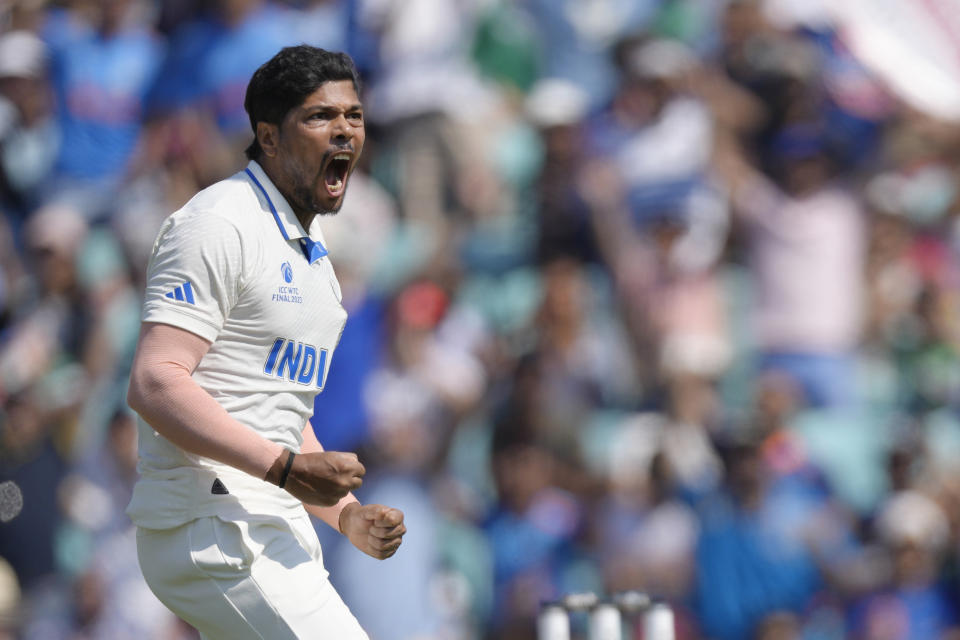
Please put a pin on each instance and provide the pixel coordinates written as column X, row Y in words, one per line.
column 322, row 369
column 288, row 361
column 272, row 358
column 309, row 365
column 297, row 361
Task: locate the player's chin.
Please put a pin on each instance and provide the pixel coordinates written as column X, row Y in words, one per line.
column 326, row 206
column 329, row 203
column 333, row 207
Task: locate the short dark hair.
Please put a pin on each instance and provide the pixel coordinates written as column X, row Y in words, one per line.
column 284, row 81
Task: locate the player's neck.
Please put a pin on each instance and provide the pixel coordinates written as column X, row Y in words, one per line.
column 306, row 219
column 304, row 215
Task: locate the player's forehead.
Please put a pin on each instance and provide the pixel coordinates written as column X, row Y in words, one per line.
column 340, row 94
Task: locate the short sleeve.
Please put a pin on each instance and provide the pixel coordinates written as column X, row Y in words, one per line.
column 195, row 273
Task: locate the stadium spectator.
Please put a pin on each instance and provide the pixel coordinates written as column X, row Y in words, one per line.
column 105, row 58
column 29, row 136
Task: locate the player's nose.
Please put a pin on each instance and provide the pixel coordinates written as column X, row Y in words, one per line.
column 341, row 130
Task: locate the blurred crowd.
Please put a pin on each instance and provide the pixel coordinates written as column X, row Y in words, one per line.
column 657, row 295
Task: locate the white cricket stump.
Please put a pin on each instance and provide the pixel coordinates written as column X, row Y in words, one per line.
column 605, row 617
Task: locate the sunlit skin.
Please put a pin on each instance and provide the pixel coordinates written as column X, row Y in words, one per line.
column 298, row 154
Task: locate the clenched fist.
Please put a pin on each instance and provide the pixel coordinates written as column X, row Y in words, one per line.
column 373, row 528
column 319, row 478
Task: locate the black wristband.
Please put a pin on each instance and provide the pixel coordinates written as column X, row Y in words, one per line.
column 286, row 470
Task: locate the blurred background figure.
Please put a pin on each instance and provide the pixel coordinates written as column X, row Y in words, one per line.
column 658, row 295
column 105, row 58
column 29, row 136
column 913, row 601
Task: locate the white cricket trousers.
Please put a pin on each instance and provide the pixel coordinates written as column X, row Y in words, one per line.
column 260, row 580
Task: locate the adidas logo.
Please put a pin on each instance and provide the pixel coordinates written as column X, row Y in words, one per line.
column 183, row 292
column 218, row 488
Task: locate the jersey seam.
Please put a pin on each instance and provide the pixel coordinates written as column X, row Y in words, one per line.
column 240, row 283
column 184, row 312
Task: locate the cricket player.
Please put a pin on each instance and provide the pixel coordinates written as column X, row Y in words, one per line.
column 241, row 317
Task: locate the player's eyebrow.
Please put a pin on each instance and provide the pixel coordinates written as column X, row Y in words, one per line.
column 324, row 106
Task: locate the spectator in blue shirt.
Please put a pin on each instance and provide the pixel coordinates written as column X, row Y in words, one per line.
column 212, row 58
column 101, row 72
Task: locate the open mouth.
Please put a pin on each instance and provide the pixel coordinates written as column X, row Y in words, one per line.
column 335, row 174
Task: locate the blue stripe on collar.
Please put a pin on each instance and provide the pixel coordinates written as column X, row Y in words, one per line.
column 273, row 209
column 312, row 249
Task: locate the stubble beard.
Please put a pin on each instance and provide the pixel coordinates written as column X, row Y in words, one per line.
column 303, row 197
column 305, row 200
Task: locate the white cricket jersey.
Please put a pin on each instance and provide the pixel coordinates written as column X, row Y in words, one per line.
column 236, row 267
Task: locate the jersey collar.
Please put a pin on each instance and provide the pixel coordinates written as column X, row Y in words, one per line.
column 311, row 244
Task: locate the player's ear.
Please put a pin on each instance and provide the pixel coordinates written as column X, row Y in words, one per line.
column 268, row 135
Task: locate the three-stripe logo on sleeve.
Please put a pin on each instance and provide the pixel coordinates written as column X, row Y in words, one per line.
column 184, row 293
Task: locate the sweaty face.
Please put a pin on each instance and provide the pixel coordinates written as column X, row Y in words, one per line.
column 318, row 146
